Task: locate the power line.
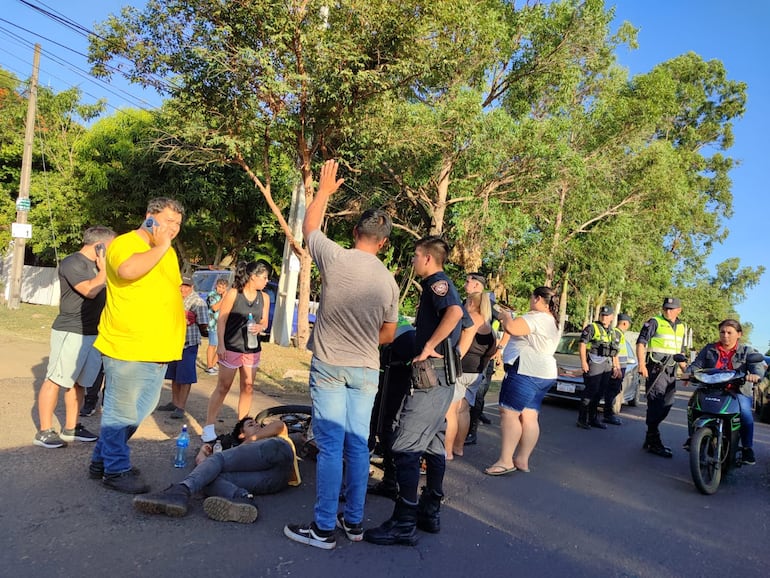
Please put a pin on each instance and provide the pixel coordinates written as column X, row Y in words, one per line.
column 87, row 33
column 106, row 86
column 128, row 97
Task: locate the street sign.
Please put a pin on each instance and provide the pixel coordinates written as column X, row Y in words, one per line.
column 21, row 230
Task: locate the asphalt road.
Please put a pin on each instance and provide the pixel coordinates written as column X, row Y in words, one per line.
column 594, row 504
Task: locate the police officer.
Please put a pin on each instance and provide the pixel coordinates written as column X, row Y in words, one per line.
column 598, row 350
column 615, row 384
column 660, row 339
column 419, row 427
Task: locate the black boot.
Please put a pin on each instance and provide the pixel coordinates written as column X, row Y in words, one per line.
column 388, row 487
column 428, row 507
column 401, row 528
column 593, row 418
column 173, row 501
column 610, row 417
column 654, row 445
column 582, row 420
column 470, row 440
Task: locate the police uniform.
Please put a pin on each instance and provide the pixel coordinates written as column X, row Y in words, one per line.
column 418, row 430
column 663, row 339
column 601, row 345
column 615, row 384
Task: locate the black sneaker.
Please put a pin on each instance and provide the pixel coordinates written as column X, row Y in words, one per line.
column 79, row 433
column 311, row 535
column 125, row 482
column 87, row 411
column 167, row 407
column 747, row 456
column 242, row 510
column 172, row 501
column 96, row 470
column 177, row 413
column 49, row 439
column 354, row 532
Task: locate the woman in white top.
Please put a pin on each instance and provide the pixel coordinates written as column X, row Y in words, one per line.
column 534, row 337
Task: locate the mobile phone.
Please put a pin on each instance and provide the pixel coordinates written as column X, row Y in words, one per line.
column 149, row 225
column 100, row 249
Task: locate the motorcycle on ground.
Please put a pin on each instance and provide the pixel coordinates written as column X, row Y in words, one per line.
column 713, row 421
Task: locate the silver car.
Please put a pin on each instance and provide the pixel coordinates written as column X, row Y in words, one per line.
column 569, row 384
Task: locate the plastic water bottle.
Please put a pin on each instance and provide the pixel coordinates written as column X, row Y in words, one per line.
column 217, row 447
column 180, row 460
column 252, row 339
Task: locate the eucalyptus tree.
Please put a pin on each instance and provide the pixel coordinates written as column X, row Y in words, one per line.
column 248, row 77
column 120, row 168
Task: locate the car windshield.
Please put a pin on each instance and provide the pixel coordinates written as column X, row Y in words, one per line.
column 568, row 344
column 205, row 281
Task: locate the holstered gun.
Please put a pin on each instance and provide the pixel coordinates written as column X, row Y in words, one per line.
column 451, row 358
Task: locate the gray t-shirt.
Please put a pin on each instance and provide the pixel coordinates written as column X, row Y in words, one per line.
column 358, row 295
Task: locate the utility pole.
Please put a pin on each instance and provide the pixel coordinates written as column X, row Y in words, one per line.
column 20, row 231
column 283, row 318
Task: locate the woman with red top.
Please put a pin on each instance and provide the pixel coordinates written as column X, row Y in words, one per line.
column 728, row 353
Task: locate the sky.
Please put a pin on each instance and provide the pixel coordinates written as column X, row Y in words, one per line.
column 733, row 32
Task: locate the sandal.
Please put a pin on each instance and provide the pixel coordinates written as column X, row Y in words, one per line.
column 499, row 470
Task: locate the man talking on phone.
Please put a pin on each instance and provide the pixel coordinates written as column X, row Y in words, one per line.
column 73, row 361
column 142, row 328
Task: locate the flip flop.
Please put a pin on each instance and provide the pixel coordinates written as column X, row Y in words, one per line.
column 522, row 470
column 499, row 470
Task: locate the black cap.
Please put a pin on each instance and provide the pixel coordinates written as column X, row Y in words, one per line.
column 672, row 303
column 187, row 280
column 624, row 317
column 606, row 310
column 478, row 277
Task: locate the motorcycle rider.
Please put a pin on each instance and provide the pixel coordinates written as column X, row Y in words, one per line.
column 728, row 353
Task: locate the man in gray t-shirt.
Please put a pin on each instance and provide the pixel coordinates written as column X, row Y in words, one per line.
column 357, row 313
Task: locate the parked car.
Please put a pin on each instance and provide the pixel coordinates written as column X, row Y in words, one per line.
column 204, row 281
column 762, row 395
column 569, row 383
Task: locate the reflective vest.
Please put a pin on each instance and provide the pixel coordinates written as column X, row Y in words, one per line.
column 603, row 343
column 622, row 346
column 667, row 339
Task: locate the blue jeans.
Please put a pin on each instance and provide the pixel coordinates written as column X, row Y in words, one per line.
column 342, row 409
column 260, row 467
column 131, row 392
column 747, row 420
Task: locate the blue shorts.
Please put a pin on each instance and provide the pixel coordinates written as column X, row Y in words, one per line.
column 519, row 392
column 183, row 371
column 213, row 337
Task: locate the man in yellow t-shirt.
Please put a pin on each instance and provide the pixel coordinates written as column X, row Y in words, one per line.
column 142, row 328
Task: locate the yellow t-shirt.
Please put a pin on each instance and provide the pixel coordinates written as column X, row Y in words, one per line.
column 143, row 319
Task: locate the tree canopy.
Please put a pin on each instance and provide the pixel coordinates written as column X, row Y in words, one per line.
column 511, row 130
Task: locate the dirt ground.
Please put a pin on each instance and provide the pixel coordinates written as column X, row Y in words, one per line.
column 54, row 521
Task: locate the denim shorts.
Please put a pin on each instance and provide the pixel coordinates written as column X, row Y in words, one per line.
column 519, row 392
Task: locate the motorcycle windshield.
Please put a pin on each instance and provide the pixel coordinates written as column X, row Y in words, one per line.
column 715, row 376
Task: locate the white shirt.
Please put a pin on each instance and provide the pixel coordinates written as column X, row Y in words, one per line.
column 535, row 351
